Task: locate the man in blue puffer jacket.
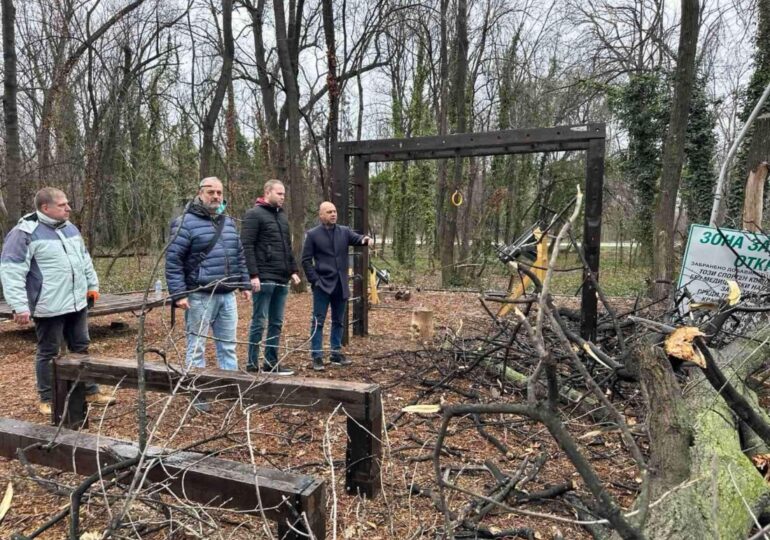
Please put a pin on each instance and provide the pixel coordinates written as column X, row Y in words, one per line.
column 47, row 277
column 205, row 265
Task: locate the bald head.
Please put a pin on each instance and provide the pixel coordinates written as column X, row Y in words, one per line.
column 327, row 213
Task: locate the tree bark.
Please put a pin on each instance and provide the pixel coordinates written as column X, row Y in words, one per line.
column 332, row 83
column 721, row 476
column 469, row 215
column 448, row 270
column 100, row 162
column 759, row 149
column 231, row 140
column 754, row 198
column 668, row 422
column 275, row 145
column 210, row 120
column 442, row 121
column 52, row 96
column 10, row 114
column 757, row 158
column 673, row 152
column 286, row 39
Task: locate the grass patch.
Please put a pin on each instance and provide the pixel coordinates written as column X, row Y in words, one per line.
column 617, row 277
column 128, row 274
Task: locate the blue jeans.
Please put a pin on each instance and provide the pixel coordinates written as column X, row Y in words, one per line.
column 321, row 302
column 218, row 312
column 268, row 305
column 73, row 328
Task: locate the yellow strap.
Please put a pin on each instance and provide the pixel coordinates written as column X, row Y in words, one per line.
column 517, row 287
column 457, row 198
column 374, row 298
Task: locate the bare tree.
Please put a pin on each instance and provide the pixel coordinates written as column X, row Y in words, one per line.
column 332, row 83
column 673, row 151
column 287, row 42
column 61, row 72
column 11, row 117
column 265, row 80
column 210, row 120
column 442, row 112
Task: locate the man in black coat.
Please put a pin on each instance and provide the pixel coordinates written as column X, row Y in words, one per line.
column 325, row 261
column 271, row 265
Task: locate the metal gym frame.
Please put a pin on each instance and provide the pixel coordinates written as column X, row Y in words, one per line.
column 587, row 137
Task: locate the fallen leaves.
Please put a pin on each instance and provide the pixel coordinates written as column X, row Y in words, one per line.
column 359, row 529
column 762, row 463
column 679, row 345
column 733, row 292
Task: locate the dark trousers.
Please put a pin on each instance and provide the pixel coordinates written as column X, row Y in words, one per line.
column 321, row 303
column 72, row 328
column 269, row 305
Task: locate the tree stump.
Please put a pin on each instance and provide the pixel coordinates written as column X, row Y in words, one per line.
column 422, row 324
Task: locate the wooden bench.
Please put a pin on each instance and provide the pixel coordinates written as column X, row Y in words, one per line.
column 361, row 402
column 108, row 304
column 196, row 477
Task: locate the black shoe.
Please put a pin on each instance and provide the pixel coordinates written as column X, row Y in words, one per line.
column 252, row 369
column 318, row 364
column 278, row 370
column 340, row 359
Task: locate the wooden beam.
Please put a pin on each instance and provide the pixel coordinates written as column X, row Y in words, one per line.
column 360, row 401
column 584, row 137
column 524, row 138
column 189, row 475
column 108, row 304
column 263, row 389
column 592, row 236
column 360, row 225
column 68, row 403
column 529, row 148
column 364, row 450
column 341, row 185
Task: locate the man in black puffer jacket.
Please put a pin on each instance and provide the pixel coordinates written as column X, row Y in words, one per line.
column 205, row 264
column 271, row 265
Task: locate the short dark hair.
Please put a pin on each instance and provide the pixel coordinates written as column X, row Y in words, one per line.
column 47, row 195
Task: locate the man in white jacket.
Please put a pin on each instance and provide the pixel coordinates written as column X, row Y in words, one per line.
column 48, row 277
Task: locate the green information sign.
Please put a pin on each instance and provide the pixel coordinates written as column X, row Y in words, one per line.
column 711, row 258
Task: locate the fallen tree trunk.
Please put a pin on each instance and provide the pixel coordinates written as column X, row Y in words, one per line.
column 519, row 380
column 723, row 488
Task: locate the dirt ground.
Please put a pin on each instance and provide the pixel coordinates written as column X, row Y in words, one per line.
column 293, row 440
